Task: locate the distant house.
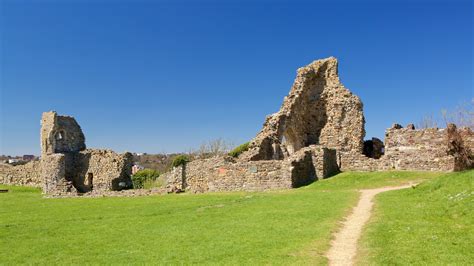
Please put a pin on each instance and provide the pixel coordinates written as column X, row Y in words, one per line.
column 28, row 157
column 10, row 161
column 136, row 168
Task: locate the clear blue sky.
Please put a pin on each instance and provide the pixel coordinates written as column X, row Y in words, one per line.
column 164, row 76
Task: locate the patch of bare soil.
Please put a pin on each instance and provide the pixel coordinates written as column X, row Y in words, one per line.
column 344, row 246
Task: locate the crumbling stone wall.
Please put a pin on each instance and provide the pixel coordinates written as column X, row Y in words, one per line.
column 21, row 175
column 225, row 174
column 219, row 174
column 67, row 166
column 60, row 134
column 53, row 173
column 425, row 149
column 318, row 131
column 109, row 170
column 318, row 110
column 459, row 148
column 411, row 149
column 374, row 148
column 325, row 161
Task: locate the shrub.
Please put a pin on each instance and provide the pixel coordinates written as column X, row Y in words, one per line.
column 145, row 176
column 149, row 183
column 239, row 150
column 180, row 160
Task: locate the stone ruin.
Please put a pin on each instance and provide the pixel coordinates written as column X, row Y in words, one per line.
column 66, row 166
column 318, row 111
column 318, row 131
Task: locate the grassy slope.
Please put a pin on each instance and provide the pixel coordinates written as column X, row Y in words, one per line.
column 430, row 225
column 275, row 227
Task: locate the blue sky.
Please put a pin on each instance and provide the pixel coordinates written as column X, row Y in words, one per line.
column 165, row 76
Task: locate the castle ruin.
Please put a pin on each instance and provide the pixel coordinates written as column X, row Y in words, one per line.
column 318, row 132
column 67, row 166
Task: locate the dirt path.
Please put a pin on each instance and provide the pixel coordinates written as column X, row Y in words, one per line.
column 344, row 246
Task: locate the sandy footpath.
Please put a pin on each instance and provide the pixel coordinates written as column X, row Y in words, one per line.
column 344, row 246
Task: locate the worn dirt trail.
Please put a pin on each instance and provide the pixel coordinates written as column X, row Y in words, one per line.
column 344, row 246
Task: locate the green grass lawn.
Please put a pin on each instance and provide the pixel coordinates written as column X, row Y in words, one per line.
column 281, row 227
column 430, row 225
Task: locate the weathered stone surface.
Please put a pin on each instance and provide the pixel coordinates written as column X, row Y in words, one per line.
column 66, row 166
column 218, row 174
column 459, row 148
column 411, row 126
column 317, row 132
column 318, row 110
column 374, row 148
column 53, row 172
column 85, row 171
column 23, row 175
column 221, row 174
column 423, row 150
column 324, row 160
column 60, row 134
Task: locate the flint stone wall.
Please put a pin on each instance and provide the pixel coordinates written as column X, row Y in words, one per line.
column 110, row 170
column 21, row 175
column 60, row 134
column 410, row 149
column 53, row 171
column 319, row 110
column 223, row 174
column 69, row 172
column 217, row 174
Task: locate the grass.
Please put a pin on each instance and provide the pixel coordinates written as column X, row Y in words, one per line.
column 430, row 225
column 281, row 227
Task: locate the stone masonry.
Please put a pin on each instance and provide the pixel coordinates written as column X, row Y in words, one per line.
column 66, row 165
column 318, row 111
column 318, row 131
column 296, row 146
column 411, row 149
column 22, row 175
column 226, row 174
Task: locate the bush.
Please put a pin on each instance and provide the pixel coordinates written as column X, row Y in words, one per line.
column 180, row 160
column 157, row 183
column 239, row 150
column 145, row 176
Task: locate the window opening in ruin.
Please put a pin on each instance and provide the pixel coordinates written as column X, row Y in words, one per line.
column 90, row 178
column 60, row 135
column 374, row 148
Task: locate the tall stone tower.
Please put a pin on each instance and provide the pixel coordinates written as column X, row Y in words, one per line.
column 60, row 134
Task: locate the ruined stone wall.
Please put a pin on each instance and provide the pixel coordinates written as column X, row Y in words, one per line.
column 21, row 175
column 68, row 167
column 225, row 174
column 109, row 170
column 354, row 161
column 410, row 149
column 60, row 134
column 53, row 173
column 467, row 136
column 324, row 161
column 426, row 149
column 318, row 110
column 218, row 174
